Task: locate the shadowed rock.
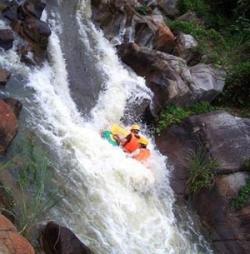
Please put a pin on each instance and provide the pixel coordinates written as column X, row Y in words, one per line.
column 57, row 239
column 4, row 77
column 6, row 39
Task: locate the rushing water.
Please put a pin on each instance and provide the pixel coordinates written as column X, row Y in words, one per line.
column 113, row 203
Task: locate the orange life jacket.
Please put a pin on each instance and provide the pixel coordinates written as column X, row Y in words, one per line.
column 143, row 154
column 132, row 144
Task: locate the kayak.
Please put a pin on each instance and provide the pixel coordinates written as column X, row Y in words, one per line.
column 107, row 135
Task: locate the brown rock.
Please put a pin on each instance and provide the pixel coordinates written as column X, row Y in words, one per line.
column 15, row 105
column 4, row 77
column 6, row 39
column 8, row 126
column 10, row 241
column 60, row 240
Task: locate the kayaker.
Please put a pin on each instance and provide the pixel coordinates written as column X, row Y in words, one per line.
column 131, row 142
column 142, row 153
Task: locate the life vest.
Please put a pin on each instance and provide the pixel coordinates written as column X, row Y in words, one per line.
column 132, row 144
column 142, row 155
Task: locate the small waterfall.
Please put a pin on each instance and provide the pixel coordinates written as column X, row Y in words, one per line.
column 113, row 203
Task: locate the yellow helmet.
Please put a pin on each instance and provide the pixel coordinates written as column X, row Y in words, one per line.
column 135, row 127
column 143, row 141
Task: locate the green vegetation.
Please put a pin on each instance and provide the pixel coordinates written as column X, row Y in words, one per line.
column 223, row 33
column 201, row 173
column 143, row 9
column 243, row 197
column 246, row 164
column 174, row 114
column 35, row 195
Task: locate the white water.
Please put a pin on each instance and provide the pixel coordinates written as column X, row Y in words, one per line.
column 113, row 203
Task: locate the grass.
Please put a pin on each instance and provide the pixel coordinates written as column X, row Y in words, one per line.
column 34, row 176
column 175, row 115
column 201, row 173
column 243, row 196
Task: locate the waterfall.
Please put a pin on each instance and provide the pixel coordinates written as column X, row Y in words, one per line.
column 113, row 203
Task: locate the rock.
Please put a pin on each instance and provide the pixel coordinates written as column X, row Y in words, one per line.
column 8, row 126
column 31, row 8
column 57, row 239
column 226, row 139
column 37, row 31
column 4, row 77
column 169, row 77
column 10, row 12
column 15, row 105
column 190, row 16
column 123, row 23
column 169, row 7
column 6, row 39
column 187, row 48
column 10, row 241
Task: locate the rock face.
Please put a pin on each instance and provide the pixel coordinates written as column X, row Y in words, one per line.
column 169, row 77
column 6, row 39
column 4, row 77
column 10, row 241
column 226, row 139
column 25, row 20
column 60, row 240
column 8, row 126
column 130, row 21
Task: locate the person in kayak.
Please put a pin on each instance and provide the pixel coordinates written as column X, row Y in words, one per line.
column 142, row 153
column 131, row 142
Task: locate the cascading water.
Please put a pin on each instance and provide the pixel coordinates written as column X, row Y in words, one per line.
column 113, row 203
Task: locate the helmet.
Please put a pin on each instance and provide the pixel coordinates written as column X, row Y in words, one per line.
column 135, row 127
column 143, row 141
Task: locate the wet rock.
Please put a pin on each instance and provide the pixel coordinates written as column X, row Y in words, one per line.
column 123, row 22
column 57, row 239
column 37, row 31
column 10, row 241
column 6, row 39
column 10, row 12
column 15, row 105
column 8, row 126
column 169, row 77
column 4, row 77
column 31, row 8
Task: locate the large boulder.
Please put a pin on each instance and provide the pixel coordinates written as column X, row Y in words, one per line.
column 226, row 139
column 57, row 239
column 8, row 126
column 15, row 105
column 10, row 241
column 4, row 77
column 6, row 39
column 169, row 77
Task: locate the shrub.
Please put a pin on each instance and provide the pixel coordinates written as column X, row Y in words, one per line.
column 243, row 196
column 174, row 114
column 201, row 173
column 237, row 87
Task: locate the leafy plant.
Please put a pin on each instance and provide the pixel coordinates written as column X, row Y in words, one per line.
column 243, row 197
column 201, row 173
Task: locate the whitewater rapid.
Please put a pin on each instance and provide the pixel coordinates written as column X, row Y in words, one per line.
column 113, row 203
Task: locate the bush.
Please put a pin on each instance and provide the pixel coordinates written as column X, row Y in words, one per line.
column 201, row 173
column 174, row 114
column 243, row 197
column 237, row 87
